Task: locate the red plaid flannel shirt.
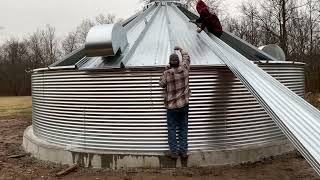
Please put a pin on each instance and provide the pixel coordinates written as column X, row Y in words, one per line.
column 175, row 81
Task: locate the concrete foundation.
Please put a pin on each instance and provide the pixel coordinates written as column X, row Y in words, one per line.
column 45, row 151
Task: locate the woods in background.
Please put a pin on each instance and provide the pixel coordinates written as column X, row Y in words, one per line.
column 293, row 25
column 39, row 50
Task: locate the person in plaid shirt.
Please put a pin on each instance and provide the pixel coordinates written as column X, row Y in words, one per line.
column 175, row 81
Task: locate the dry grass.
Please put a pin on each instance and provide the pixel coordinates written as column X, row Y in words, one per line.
column 16, row 107
column 313, row 99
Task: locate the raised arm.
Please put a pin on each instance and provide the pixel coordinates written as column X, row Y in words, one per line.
column 185, row 58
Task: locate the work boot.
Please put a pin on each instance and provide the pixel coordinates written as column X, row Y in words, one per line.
column 183, row 155
column 170, row 155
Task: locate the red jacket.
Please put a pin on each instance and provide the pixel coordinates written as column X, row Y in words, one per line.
column 209, row 20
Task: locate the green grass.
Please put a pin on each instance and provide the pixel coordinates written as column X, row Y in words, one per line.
column 15, row 107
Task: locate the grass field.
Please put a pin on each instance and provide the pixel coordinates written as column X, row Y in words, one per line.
column 15, row 107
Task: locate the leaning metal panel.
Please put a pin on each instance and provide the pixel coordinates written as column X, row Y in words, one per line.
column 124, row 111
column 298, row 119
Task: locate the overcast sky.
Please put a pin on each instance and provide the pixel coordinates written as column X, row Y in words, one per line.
column 19, row 18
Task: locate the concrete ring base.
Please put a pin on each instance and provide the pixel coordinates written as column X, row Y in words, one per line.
column 43, row 150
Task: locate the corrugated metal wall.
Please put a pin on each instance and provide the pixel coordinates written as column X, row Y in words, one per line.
column 123, row 111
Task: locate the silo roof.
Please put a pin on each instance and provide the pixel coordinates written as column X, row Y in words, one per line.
column 152, row 35
column 152, row 39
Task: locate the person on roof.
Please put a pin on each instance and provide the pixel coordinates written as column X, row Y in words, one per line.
column 175, row 81
column 207, row 20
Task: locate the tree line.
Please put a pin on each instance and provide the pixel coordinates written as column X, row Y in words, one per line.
column 38, row 50
column 292, row 24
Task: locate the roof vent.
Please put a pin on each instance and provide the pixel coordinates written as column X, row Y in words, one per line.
column 275, row 51
column 106, row 40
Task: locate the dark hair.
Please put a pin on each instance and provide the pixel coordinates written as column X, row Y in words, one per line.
column 174, row 60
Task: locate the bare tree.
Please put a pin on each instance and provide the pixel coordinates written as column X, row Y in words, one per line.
column 50, row 45
column 215, row 6
column 105, row 19
column 43, row 47
column 70, row 43
column 250, row 24
column 78, row 38
column 35, row 50
column 313, row 13
column 275, row 17
column 39, row 49
column 83, row 29
column 144, row 2
column 236, row 27
column 12, row 75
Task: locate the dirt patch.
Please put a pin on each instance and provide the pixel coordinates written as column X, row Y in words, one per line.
column 290, row 166
column 314, row 99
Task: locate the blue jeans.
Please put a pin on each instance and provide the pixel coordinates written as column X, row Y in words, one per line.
column 178, row 118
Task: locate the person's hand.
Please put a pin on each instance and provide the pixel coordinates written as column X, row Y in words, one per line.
column 193, row 21
column 177, row 48
column 167, row 67
column 199, row 25
column 199, row 30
